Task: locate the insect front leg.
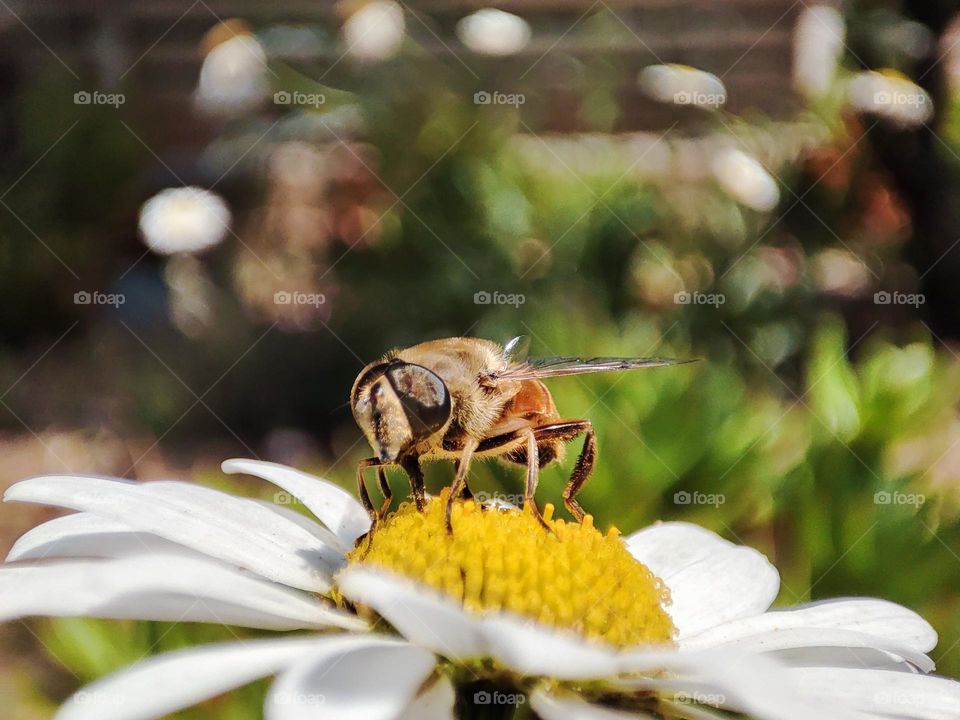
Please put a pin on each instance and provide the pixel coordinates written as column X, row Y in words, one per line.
column 467, row 494
column 385, row 489
column 459, row 481
column 375, row 516
column 411, row 465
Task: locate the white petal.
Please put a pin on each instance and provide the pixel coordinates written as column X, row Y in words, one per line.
column 534, row 649
column 419, row 614
column 879, row 618
column 435, row 702
column 371, row 679
column 170, row 587
column 334, row 506
column 236, row 530
column 311, row 526
column 427, row 618
column 883, row 692
column 164, row 684
column 851, row 657
column 752, row 684
column 87, row 535
column 569, row 707
column 791, row 638
column 711, row 581
column 668, row 547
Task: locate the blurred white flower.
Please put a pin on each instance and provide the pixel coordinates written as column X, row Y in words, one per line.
column 185, row 219
column 375, row 31
column 682, row 85
column 233, row 77
column 840, row 272
column 817, row 48
column 494, row 32
column 745, row 179
column 890, row 95
column 182, row 552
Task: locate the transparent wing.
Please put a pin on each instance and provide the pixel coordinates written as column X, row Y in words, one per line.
column 552, row 367
column 517, row 351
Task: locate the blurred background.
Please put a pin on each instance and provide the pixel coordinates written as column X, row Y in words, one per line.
column 214, row 213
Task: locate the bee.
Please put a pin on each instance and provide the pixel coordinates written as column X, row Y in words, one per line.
column 464, row 398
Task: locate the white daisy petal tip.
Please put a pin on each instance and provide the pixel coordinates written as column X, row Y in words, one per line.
column 711, row 580
column 331, row 504
column 889, row 624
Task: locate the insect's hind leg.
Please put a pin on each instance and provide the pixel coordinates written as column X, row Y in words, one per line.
column 565, row 431
column 581, row 472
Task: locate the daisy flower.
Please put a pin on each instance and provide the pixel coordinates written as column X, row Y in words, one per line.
column 184, row 220
column 407, row 621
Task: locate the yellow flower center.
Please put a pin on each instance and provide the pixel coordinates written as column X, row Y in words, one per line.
column 573, row 578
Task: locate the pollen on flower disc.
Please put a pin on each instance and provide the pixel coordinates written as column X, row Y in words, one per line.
column 498, row 559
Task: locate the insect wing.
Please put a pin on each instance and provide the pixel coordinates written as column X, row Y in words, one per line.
column 517, row 351
column 552, row 367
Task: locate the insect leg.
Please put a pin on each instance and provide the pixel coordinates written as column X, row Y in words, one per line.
column 411, row 465
column 362, row 488
column 581, row 471
column 385, row 489
column 467, row 494
column 459, row 481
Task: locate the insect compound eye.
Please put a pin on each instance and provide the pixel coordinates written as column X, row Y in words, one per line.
column 424, row 397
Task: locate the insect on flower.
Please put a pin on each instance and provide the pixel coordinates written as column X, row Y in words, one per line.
column 461, row 398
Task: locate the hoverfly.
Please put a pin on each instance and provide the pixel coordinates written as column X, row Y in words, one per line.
column 461, row 398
